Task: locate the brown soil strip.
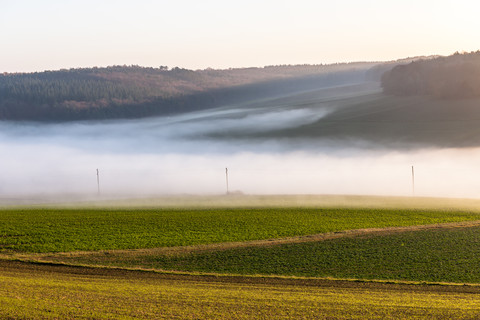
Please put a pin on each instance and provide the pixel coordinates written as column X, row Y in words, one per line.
column 19, row 268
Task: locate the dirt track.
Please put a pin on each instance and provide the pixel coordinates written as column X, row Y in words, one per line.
column 20, row 267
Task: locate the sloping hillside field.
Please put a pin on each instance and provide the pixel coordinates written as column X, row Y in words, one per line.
column 270, row 258
column 54, row 230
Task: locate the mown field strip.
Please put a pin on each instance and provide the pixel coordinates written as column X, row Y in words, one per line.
column 51, row 292
column 270, row 201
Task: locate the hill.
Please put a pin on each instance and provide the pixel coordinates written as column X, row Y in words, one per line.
column 362, row 115
column 134, row 92
column 453, row 77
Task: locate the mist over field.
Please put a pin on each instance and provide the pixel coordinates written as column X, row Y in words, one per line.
column 188, row 154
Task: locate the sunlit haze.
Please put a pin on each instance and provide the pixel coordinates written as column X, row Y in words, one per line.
column 54, row 34
column 321, row 130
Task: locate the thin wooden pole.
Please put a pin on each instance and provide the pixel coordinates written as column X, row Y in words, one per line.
column 413, row 181
column 98, row 182
column 226, row 177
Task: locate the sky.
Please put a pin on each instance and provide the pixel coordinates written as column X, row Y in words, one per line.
column 54, row 34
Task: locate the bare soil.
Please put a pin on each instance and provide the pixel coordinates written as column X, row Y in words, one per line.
column 19, row 267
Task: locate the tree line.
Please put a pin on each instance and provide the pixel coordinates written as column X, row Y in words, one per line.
column 134, row 91
column 453, row 77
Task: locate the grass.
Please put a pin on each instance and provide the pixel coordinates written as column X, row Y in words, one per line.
column 395, row 122
column 44, row 292
column 437, row 255
column 65, row 230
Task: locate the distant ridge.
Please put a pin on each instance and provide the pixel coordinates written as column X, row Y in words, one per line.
column 453, row 77
column 126, row 92
column 135, row 92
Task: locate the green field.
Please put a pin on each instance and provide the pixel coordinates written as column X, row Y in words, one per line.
column 395, row 122
column 64, row 230
column 437, row 255
column 307, row 257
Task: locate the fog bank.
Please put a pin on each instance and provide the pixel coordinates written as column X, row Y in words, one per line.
column 51, row 163
column 188, row 154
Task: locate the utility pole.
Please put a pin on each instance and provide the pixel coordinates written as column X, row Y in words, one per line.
column 413, row 181
column 98, row 182
column 226, row 177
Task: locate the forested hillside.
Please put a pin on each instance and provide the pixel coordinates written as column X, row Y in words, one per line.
column 452, row 77
column 133, row 91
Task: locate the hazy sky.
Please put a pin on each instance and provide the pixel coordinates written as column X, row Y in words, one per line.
column 53, row 34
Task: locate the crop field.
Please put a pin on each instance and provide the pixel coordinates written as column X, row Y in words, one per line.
column 366, row 258
column 450, row 254
column 53, row 292
column 64, row 230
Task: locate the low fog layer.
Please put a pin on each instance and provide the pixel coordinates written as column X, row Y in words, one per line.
column 177, row 155
column 42, row 169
